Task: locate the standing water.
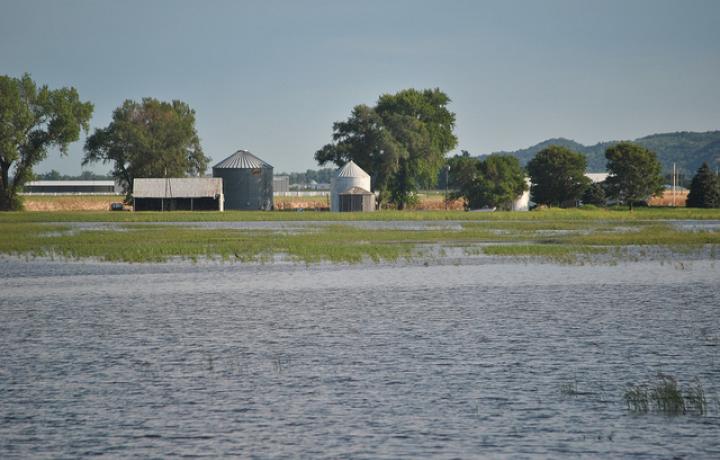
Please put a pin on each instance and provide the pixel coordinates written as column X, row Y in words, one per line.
column 378, row 361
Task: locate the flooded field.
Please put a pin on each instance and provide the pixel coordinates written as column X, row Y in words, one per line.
column 490, row 358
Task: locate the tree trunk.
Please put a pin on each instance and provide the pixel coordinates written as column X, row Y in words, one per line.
column 6, row 198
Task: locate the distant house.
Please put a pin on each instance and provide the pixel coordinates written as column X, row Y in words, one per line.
column 72, row 187
column 179, row 194
column 281, row 184
column 524, row 202
column 597, row 177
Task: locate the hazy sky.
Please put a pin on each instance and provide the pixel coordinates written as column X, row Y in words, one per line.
column 272, row 76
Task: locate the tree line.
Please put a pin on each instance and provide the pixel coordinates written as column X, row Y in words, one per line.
column 557, row 175
column 54, row 174
column 149, row 138
column 401, row 141
column 321, row 176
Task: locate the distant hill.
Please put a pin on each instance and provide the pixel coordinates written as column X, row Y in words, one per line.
column 687, row 149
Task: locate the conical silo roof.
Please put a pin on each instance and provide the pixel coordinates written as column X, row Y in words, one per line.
column 242, row 159
column 351, row 170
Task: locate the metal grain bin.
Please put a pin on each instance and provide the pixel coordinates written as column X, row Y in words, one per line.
column 350, row 175
column 247, row 181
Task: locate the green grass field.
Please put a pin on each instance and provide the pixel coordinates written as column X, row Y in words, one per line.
column 558, row 235
column 618, row 214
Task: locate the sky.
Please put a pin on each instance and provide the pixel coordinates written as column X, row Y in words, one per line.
column 272, row 76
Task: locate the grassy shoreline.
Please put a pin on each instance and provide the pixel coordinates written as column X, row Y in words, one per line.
column 613, row 214
column 557, row 235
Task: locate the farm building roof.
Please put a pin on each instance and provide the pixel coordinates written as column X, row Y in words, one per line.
column 356, row 191
column 242, row 159
column 350, row 169
column 178, row 187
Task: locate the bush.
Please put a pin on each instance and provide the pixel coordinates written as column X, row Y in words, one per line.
column 704, row 189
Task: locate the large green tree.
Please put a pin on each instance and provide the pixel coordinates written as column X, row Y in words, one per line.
column 401, row 142
column 704, row 189
column 558, row 176
column 595, row 195
column 495, row 181
column 32, row 120
column 148, row 139
column 634, row 173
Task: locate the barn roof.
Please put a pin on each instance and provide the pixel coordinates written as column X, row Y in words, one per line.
column 242, row 159
column 178, row 187
column 351, row 170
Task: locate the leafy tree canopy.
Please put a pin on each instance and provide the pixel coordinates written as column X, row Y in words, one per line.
column 704, row 189
column 595, row 194
column 401, row 142
column 634, row 173
column 32, row 120
column 85, row 175
column 558, row 176
column 321, row 176
column 495, row 181
column 148, row 139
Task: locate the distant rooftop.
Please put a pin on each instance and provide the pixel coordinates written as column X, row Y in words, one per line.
column 178, row 187
column 356, row 191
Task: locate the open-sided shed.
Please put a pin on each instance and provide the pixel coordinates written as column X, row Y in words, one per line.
column 356, row 199
column 178, row 194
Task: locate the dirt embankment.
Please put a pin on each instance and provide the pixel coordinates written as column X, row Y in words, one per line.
column 69, row 203
column 102, row 203
column 425, row 203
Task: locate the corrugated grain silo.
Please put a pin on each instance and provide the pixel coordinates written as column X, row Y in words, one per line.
column 247, row 181
column 346, row 178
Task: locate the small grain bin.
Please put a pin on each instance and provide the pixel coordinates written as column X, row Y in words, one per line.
column 247, row 181
column 347, row 178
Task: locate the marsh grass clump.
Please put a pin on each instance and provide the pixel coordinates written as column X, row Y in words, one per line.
column 637, row 398
column 695, row 398
column 569, row 388
column 666, row 396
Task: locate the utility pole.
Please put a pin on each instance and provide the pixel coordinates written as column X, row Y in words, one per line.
column 447, row 186
column 673, row 184
column 165, row 193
